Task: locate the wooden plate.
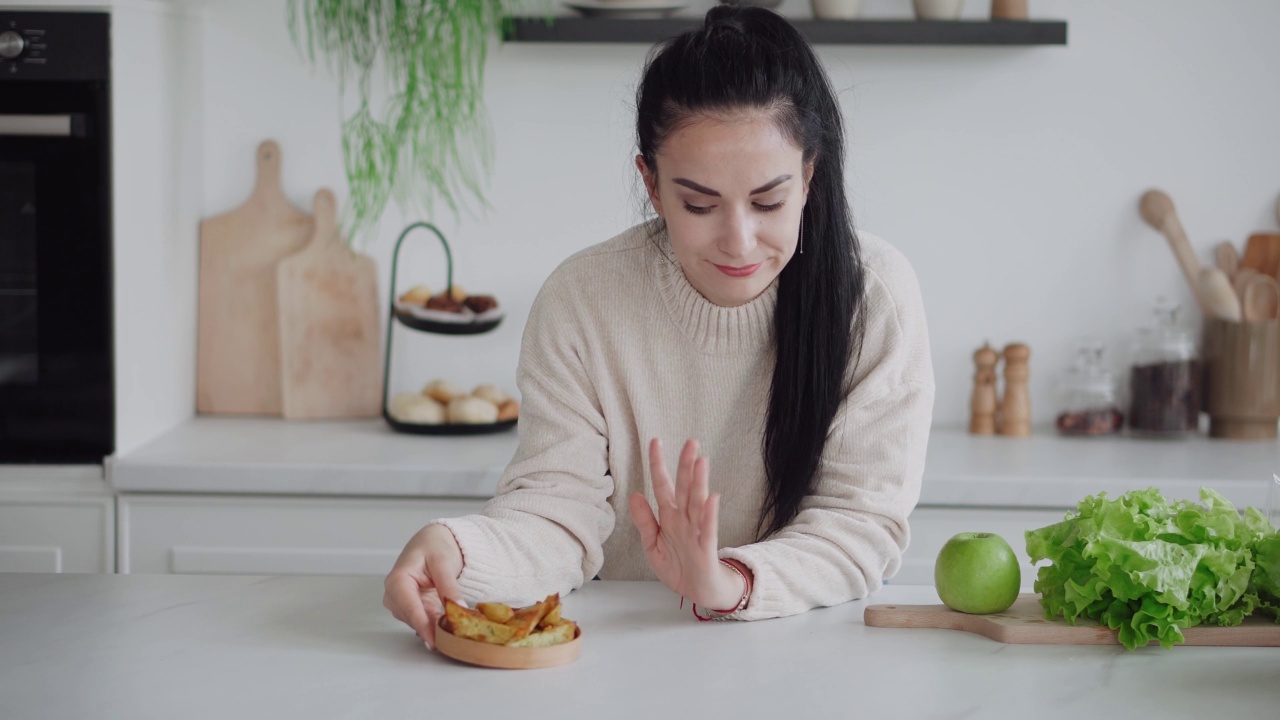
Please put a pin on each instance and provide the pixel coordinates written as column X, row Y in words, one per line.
column 449, row 428
column 475, row 327
column 488, row 655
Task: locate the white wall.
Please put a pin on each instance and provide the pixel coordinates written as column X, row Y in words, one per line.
column 156, row 159
column 1009, row 176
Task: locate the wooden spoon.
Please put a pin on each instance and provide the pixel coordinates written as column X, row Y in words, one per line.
column 1261, row 298
column 1158, row 211
column 1220, row 299
column 1242, row 279
column 1227, row 258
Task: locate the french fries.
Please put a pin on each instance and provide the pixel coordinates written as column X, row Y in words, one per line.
column 538, row 625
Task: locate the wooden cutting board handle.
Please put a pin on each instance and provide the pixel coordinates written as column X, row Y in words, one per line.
column 238, row 345
column 1024, row 623
column 329, row 330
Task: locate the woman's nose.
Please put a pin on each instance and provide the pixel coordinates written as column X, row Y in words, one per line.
column 738, row 238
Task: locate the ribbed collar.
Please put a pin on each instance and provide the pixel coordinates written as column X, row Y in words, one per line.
column 712, row 328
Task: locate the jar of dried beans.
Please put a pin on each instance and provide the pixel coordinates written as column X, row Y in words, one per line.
column 1164, row 382
column 1088, row 402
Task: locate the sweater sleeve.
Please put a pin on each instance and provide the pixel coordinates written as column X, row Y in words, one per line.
column 544, row 530
column 851, row 531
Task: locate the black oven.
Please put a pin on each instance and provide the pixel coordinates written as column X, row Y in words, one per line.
column 57, row 401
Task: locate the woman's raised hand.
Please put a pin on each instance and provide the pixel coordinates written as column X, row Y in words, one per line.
column 681, row 542
column 425, row 573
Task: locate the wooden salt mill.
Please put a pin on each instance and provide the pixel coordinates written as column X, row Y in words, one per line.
column 982, row 405
column 1015, row 407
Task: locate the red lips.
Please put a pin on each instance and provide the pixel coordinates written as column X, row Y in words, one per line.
column 744, row 271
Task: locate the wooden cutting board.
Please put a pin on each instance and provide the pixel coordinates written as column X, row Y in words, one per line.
column 1024, row 623
column 329, row 338
column 238, row 336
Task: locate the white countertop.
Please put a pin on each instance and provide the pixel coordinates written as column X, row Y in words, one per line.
column 259, row 455
column 175, row 646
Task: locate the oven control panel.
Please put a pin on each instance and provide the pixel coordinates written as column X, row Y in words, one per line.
column 54, row 45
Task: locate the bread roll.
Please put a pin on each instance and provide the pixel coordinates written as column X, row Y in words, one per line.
column 492, row 393
column 510, row 410
column 456, row 293
column 417, row 295
column 472, row 410
column 416, row 408
column 443, row 391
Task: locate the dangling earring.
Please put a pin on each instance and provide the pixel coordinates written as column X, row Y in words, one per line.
column 801, row 234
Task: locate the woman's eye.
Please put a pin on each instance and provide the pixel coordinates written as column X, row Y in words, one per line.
column 696, row 209
column 769, row 208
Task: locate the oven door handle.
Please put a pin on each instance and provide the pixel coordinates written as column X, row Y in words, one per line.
column 72, row 125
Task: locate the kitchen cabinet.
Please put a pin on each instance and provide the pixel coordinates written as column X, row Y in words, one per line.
column 57, row 520
column 207, row 534
column 264, row 495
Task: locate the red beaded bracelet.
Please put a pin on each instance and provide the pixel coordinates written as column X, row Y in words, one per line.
column 742, row 602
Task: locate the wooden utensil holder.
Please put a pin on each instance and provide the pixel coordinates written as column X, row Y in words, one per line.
column 1241, row 378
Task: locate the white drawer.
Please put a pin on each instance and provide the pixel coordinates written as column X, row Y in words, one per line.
column 57, row 534
column 271, row 535
column 931, row 528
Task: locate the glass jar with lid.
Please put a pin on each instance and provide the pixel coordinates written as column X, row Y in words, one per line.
column 1164, row 382
column 1089, row 403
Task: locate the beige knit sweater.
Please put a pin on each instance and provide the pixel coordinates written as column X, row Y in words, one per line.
column 620, row 348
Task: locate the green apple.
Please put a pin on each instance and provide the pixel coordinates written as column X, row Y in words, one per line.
column 977, row 573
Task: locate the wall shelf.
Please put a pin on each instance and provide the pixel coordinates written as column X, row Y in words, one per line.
column 572, row 29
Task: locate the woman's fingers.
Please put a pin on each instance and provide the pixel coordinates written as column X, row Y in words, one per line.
column 698, row 491
column 403, row 597
column 646, row 523
column 662, row 490
column 445, row 579
column 709, row 526
column 684, row 474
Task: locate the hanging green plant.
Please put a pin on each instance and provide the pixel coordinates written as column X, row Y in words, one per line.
column 431, row 142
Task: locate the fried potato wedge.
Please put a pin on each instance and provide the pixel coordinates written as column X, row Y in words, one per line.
column 535, row 626
column 525, row 620
column 553, row 635
column 552, row 618
column 496, row 612
column 473, row 625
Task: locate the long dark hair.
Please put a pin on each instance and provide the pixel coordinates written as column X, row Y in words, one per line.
column 748, row 58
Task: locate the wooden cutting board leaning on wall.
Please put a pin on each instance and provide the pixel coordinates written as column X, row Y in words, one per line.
column 329, row 329
column 238, row 345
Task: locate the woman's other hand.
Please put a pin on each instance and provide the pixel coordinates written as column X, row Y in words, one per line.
column 681, row 542
column 424, row 575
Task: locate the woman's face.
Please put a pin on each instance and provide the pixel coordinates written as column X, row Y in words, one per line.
column 731, row 191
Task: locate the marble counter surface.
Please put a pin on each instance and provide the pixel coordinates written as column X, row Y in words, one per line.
column 244, row 455
column 152, row 646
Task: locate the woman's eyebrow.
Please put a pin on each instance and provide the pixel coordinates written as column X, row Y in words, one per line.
column 708, row 191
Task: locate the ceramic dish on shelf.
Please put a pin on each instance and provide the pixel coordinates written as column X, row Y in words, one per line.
column 448, row 428
column 627, row 9
column 489, row 655
column 448, row 323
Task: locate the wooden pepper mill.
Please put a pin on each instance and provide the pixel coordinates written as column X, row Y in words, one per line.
column 982, row 405
column 1015, row 407
column 1009, row 9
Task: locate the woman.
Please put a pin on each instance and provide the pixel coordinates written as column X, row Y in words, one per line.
column 747, row 314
